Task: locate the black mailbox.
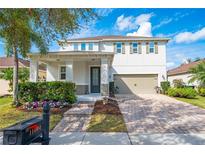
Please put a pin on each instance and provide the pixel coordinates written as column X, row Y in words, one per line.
column 24, row 132
column 34, row 130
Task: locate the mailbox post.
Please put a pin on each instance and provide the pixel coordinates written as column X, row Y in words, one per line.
column 45, row 124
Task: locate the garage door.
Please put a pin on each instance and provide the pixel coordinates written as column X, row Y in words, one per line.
column 135, row 84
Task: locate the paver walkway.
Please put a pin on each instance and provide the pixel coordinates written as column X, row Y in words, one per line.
column 76, row 119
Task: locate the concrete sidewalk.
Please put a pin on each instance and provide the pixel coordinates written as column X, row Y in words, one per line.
column 87, row 138
column 100, row 138
column 83, row 138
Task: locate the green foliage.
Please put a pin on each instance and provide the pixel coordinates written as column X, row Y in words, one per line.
column 165, row 86
column 7, row 74
column 47, row 91
column 182, row 92
column 198, row 73
column 20, row 29
column 178, row 83
column 201, row 91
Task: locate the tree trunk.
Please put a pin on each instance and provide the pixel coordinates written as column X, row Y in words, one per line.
column 15, row 78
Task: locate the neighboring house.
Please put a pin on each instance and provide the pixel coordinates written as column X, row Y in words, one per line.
column 8, row 62
column 135, row 64
column 182, row 72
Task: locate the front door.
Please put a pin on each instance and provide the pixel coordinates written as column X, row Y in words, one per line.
column 95, row 79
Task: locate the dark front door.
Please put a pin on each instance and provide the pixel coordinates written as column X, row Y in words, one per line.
column 95, row 79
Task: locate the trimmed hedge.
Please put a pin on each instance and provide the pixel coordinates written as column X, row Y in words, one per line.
column 182, row 92
column 165, row 85
column 201, row 91
column 47, row 91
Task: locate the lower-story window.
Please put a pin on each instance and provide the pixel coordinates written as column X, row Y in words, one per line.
column 62, row 73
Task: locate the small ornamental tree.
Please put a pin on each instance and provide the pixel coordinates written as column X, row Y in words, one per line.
column 165, row 85
column 178, row 83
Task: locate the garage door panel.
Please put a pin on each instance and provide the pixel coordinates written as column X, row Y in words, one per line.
column 135, row 84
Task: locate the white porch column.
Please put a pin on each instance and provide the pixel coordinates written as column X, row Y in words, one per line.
column 34, row 70
column 69, row 71
column 104, row 76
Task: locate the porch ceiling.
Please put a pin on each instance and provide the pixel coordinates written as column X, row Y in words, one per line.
column 65, row 55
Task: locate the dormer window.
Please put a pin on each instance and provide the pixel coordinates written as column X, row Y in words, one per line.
column 151, row 47
column 119, row 47
column 75, row 46
column 90, row 46
column 83, row 45
column 135, row 47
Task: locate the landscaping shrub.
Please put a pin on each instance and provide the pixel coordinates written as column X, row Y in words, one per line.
column 182, row 92
column 178, row 83
column 165, row 85
column 47, row 91
column 201, row 91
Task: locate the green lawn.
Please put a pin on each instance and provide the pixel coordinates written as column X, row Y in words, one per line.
column 106, row 123
column 10, row 115
column 198, row 101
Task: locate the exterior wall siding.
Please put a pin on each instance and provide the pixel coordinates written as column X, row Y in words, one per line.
column 184, row 77
column 123, row 63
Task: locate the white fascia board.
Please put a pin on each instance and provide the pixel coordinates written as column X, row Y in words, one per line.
column 138, row 39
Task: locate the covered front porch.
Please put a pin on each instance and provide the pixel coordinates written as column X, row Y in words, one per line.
column 90, row 71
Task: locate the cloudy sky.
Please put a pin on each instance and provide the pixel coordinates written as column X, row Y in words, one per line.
column 185, row 27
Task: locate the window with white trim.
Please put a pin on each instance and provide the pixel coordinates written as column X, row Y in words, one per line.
column 119, row 47
column 135, row 47
column 83, row 46
column 62, row 72
column 75, row 46
column 151, row 47
column 90, row 46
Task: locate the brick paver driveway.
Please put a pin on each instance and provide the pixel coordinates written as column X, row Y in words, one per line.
column 160, row 114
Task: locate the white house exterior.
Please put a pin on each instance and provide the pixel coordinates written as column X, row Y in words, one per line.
column 182, row 72
column 184, row 77
column 135, row 64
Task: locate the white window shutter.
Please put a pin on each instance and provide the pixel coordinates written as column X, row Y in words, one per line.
column 139, row 47
column 147, row 47
column 131, row 49
column 114, row 47
column 156, row 47
column 123, row 48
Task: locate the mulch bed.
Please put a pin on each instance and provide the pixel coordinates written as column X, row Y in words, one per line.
column 106, row 107
column 52, row 110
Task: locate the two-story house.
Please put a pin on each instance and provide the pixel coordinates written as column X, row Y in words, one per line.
column 135, row 64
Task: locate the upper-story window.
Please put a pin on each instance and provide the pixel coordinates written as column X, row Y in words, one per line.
column 135, row 47
column 151, row 47
column 75, row 46
column 83, row 45
column 62, row 73
column 119, row 47
column 90, row 46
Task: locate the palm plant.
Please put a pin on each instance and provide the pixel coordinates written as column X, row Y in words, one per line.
column 22, row 28
column 198, row 74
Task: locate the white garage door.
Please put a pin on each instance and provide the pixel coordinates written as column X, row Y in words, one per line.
column 135, row 83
